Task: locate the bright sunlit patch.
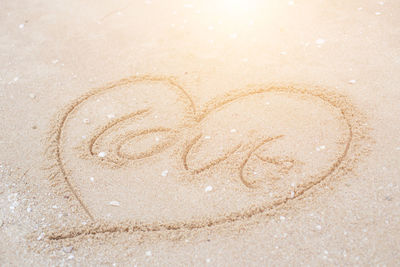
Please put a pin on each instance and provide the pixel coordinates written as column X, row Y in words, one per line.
column 227, row 22
column 236, row 7
column 229, row 17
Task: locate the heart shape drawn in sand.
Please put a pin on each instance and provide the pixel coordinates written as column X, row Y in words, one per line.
column 140, row 151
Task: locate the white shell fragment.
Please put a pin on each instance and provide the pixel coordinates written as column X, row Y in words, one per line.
column 68, row 249
column 233, row 35
column 102, row 154
column 352, row 81
column 114, row 203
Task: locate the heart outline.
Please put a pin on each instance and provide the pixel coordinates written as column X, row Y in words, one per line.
column 54, row 149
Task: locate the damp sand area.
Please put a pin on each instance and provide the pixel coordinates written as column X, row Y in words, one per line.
column 146, row 133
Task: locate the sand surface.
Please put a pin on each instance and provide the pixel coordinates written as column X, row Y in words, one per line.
column 199, row 133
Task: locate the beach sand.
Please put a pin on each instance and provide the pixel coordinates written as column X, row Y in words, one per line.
column 199, row 133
